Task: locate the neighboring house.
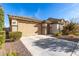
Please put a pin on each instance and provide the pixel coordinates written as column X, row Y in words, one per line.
column 30, row 26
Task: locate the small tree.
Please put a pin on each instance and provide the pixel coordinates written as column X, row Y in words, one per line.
column 1, row 19
column 2, row 33
column 71, row 28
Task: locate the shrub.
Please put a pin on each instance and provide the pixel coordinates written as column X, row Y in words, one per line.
column 57, row 33
column 77, row 33
column 15, row 35
column 2, row 38
column 2, row 33
column 1, row 18
column 70, row 28
column 12, row 54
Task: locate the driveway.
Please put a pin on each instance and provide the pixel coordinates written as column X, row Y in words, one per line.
column 42, row 45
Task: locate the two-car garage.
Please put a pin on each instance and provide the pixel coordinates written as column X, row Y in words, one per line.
column 27, row 26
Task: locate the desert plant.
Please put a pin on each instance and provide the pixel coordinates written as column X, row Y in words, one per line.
column 76, row 33
column 12, row 54
column 70, row 28
column 15, row 35
column 57, row 33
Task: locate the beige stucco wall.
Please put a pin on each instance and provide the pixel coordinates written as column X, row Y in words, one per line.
column 54, row 28
column 44, row 28
column 14, row 25
column 29, row 28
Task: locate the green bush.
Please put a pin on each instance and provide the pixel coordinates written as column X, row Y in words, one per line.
column 15, row 35
column 12, row 54
column 77, row 33
column 2, row 38
column 2, row 33
column 57, row 33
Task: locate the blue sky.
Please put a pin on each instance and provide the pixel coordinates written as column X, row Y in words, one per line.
column 41, row 11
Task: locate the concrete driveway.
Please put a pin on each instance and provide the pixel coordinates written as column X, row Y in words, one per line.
column 42, row 45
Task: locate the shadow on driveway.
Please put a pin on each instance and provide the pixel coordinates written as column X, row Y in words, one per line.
column 56, row 45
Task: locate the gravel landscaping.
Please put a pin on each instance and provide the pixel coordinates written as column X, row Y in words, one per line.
column 16, row 46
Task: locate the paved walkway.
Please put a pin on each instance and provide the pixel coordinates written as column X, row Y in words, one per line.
column 49, row 46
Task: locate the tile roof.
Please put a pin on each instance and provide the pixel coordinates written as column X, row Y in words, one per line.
column 24, row 18
column 49, row 20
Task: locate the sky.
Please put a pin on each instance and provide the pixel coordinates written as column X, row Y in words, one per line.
column 41, row 11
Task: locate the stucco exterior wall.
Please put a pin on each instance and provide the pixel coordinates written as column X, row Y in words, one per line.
column 44, row 28
column 54, row 28
column 14, row 24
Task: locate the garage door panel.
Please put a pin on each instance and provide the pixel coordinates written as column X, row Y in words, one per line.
column 27, row 29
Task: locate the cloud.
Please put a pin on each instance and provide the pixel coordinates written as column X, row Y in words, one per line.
column 37, row 13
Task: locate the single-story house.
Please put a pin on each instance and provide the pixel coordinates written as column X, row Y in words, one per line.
column 31, row 26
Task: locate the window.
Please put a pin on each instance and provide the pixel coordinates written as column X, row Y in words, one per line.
column 14, row 22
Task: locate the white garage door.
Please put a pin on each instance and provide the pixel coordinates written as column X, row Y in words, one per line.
column 27, row 29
